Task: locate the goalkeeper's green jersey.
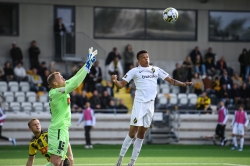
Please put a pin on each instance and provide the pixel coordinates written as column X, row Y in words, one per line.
column 60, row 101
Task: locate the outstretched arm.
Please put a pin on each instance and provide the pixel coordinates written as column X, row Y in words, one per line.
column 176, row 82
column 77, row 79
column 119, row 84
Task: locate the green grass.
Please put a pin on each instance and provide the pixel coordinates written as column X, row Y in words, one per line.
column 152, row 155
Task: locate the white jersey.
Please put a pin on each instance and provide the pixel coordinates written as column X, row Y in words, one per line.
column 145, row 79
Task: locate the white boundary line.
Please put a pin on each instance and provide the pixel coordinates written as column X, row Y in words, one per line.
column 111, row 164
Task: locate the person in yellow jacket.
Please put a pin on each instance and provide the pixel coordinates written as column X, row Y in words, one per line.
column 203, row 103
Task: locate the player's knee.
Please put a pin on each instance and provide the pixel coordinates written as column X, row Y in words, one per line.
column 131, row 135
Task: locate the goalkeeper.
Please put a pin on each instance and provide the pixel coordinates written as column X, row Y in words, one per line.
column 58, row 134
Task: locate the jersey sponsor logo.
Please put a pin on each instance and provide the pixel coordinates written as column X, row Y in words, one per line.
column 153, row 70
column 135, row 121
column 68, row 100
column 149, row 76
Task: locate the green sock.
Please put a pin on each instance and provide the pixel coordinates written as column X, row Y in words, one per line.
column 49, row 164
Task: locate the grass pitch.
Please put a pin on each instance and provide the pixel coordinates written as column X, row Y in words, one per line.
column 151, row 155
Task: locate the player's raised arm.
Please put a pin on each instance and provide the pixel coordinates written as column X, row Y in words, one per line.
column 119, row 84
column 176, row 82
column 77, row 79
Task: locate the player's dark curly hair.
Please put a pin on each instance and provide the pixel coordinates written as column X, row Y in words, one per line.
column 141, row 52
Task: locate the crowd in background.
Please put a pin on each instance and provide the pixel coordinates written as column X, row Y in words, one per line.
column 209, row 75
column 216, row 79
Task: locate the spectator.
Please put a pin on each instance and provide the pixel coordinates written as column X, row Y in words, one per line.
column 236, row 94
column 210, row 56
column 241, row 60
column 34, row 52
column 95, row 100
column 210, row 67
column 247, row 64
column 83, row 99
column 221, row 65
column 198, row 86
column 42, row 68
column 208, row 85
column 225, row 95
column 203, row 103
column 109, row 88
column 20, row 72
column 97, row 72
column 237, row 80
column 115, row 68
column 111, row 56
column 176, row 71
column 199, row 65
column 44, row 78
column 93, row 78
column 36, row 82
column 59, row 31
column 2, row 75
column 245, row 95
column 122, row 106
column 189, row 66
column 88, row 116
column 216, row 85
column 16, row 54
column 112, row 107
column 9, row 72
column 182, row 73
column 248, row 82
column 225, row 79
column 128, row 56
column 193, row 54
column 105, row 99
column 74, row 98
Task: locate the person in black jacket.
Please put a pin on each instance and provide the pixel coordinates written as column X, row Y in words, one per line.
column 242, row 63
column 16, row 54
column 59, row 31
column 8, row 72
column 34, row 52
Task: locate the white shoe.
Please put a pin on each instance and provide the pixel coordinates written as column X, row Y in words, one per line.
column 240, row 149
column 86, row 146
column 90, row 146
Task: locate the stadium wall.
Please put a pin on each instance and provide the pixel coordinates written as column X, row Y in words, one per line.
column 36, row 20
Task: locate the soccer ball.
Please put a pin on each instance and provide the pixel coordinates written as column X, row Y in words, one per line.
column 170, row 14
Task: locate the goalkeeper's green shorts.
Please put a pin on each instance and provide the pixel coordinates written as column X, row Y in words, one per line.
column 58, row 141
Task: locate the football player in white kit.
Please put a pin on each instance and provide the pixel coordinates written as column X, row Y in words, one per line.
column 145, row 78
column 239, row 123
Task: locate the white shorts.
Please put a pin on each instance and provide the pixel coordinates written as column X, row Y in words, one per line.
column 142, row 114
column 238, row 129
